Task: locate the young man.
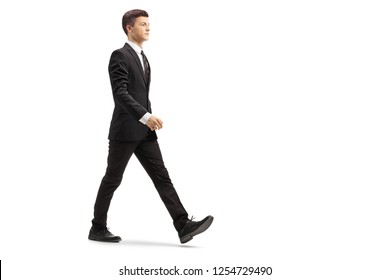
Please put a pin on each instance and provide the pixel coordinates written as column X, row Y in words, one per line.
column 133, row 131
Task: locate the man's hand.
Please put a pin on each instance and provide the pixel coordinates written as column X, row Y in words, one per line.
column 154, row 123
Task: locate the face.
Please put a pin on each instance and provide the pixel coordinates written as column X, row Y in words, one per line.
column 140, row 31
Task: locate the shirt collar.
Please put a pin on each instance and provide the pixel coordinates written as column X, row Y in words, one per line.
column 135, row 47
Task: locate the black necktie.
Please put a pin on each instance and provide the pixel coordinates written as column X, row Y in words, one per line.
column 146, row 66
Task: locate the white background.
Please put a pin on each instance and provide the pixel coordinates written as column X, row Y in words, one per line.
column 276, row 121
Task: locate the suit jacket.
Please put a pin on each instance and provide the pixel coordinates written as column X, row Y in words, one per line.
column 130, row 90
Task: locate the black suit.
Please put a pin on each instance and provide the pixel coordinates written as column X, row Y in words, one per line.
column 128, row 135
column 130, row 88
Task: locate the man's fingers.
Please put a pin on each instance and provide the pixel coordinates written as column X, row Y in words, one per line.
column 155, row 126
column 159, row 122
column 155, row 123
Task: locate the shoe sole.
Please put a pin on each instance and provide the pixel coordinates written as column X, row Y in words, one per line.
column 100, row 240
column 200, row 229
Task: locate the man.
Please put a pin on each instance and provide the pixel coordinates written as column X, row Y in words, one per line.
column 133, row 131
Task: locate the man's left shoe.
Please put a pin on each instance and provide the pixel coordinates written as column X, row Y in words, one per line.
column 103, row 235
column 192, row 228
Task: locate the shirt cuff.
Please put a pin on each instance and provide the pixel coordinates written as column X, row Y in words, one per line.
column 145, row 118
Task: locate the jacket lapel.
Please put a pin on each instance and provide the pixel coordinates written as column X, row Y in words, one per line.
column 136, row 58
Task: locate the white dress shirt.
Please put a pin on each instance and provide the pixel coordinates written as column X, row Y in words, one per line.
column 138, row 50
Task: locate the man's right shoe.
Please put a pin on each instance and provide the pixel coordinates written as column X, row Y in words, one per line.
column 192, row 228
column 103, row 235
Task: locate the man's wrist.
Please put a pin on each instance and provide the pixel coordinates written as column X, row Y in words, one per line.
column 145, row 118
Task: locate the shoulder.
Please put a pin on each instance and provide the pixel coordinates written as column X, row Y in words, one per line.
column 119, row 56
column 120, row 52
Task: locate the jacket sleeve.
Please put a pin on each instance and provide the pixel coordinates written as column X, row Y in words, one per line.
column 118, row 70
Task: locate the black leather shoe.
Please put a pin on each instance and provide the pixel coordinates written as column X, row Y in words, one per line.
column 103, row 235
column 191, row 228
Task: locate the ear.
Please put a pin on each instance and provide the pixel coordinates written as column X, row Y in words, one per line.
column 128, row 28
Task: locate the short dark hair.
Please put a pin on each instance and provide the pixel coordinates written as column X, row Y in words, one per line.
column 130, row 17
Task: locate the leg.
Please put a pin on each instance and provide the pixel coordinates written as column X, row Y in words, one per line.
column 149, row 154
column 118, row 157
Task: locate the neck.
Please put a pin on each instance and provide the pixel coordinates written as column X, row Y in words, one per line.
column 138, row 43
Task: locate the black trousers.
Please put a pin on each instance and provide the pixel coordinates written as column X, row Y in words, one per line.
column 148, row 153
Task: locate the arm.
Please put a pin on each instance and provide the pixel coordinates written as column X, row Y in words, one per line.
column 118, row 71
